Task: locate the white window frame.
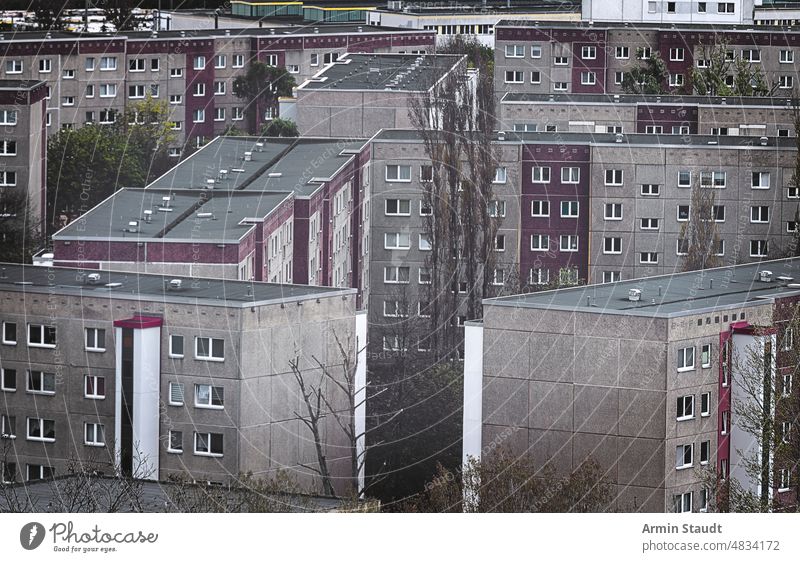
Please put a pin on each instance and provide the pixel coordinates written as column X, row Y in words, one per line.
column 543, row 242
column 685, row 354
column 93, row 441
column 616, row 245
column 207, row 435
column 399, row 212
column 94, row 378
column 42, row 430
column 209, row 405
column 540, row 174
column 398, row 168
column 182, row 388
column 569, row 247
column 170, row 449
column 398, row 239
column 96, row 332
column 210, row 348
column 570, row 175
column 682, row 453
column 614, row 181
column 686, row 400
column 613, row 207
column 16, row 335
column 544, row 208
column 42, row 333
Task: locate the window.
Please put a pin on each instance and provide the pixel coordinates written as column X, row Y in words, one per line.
column 45, row 65
column 108, row 90
column 685, row 408
column 676, row 80
column 713, row 179
column 108, row 63
column 786, row 82
column 536, row 77
column 683, row 213
column 13, row 67
column 175, row 444
column 648, row 257
column 220, row 61
column 199, row 62
column 786, row 56
column 653, row 129
column 650, row 190
column 136, row 65
column 785, row 480
column 40, row 429
column 613, row 212
column 589, row 52
column 644, row 53
column 759, row 248
column 725, row 422
column 393, row 309
column 588, row 78
column 208, row 444
column 685, row 178
column 539, row 276
column 499, row 243
column 175, row 394
column 8, row 380
column 175, row 346
column 89, row 64
column 515, row 51
column 209, row 349
column 676, row 54
column 570, row 175
column 8, row 178
column 622, row 52
column 725, row 7
column 686, row 359
column 498, row 279
column 198, row 116
column 560, row 86
column 9, row 475
column 208, row 396
column 10, row 333
column 237, row 113
column 701, row 7
column 718, row 213
column 68, row 101
column 219, row 114
column 540, row 208
column 684, row 456
column 569, row 209
column 612, row 245
column 619, row 77
column 497, row 208
column 8, row 426
column 560, row 61
column 199, row 89
column 40, row 472
column 568, row 242
column 41, row 336
column 611, row 276
column 760, row 180
column 397, row 207
column 424, row 277
column 95, row 339
column 515, row 77
column 238, row 61
column 540, row 242
column 397, row 241
column 500, row 175
column 670, row 7
column 175, row 99
column 613, row 177
column 219, row 88
column 540, row 174
column 396, row 274
column 8, row 117
column 759, row 214
column 651, row 7
column 94, row 387
column 786, row 431
column 705, row 356
column 705, row 404
column 40, row 382
column 648, row 224
column 397, row 172
column 155, row 65
column 94, row 434
column 787, row 385
column 175, row 72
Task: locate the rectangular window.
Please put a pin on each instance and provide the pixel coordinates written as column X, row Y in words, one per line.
column 94, row 387
column 396, row 274
column 394, row 309
column 612, row 245
column 176, row 346
column 685, row 408
column 787, row 385
column 397, row 241
column 220, row 61
column 701, row 7
column 536, row 77
column 199, row 62
column 8, row 117
column 713, row 179
column 676, row 54
column 499, row 243
column 671, row 7
column 500, row 175
column 685, row 178
column 649, row 224
column 8, row 427
column 424, row 277
column 611, row 276
column 588, row 78
column 175, row 99
column 198, row 116
column 108, row 63
column 686, row 359
column 41, row 336
column 760, row 180
column 94, row 434
column 539, row 276
column 8, row 178
column 540, row 208
column 705, row 452
column 397, row 207
column 560, row 61
column 613, row 177
column 40, row 472
column 40, row 429
column 95, row 339
column 683, row 213
column 759, row 248
column 175, row 72
column 175, row 394
column 136, row 65
column 560, row 86
column 650, row 190
column 45, row 65
column 648, row 257
column 684, row 456
column 219, row 114
column 751, row 55
column 705, row 356
column 536, row 51
column 237, row 113
column 515, row 51
column 398, row 172
column 568, row 242
column 622, row 52
column 219, row 88
column 238, row 61
column 653, row 129
column 175, row 444
column 725, row 422
column 40, row 382
column 10, row 333
column 705, row 404
column 759, row 214
column 68, row 101
column 676, row 80
column 8, row 380
column 540, row 174
column 497, row 208
column 613, row 212
column 785, row 480
column 209, row 349
column 155, row 65
column 14, row 66
column 208, row 396
column 514, row 76
column 199, row 89
column 108, row 90
column 208, row 444
column 589, row 52
column 540, row 242
column 570, row 175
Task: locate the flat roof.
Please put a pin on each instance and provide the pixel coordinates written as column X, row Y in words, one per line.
column 601, row 25
column 632, row 99
column 193, row 216
column 627, row 139
column 676, row 294
column 493, row 7
column 20, row 84
column 153, row 288
column 384, row 72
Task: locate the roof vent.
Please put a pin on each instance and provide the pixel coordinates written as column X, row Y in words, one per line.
column 204, row 215
column 634, row 295
column 93, row 278
column 316, row 30
column 165, row 209
column 222, row 174
column 618, row 137
column 148, row 215
column 763, row 141
column 765, row 276
column 175, row 284
column 210, row 183
column 113, row 285
column 237, row 170
column 260, row 146
column 248, row 156
column 501, row 135
column 167, row 198
column 227, row 32
column 274, row 174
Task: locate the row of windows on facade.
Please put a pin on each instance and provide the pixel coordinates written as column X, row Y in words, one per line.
column 402, row 173
column 623, row 52
column 589, row 78
column 40, row 335
column 399, row 274
column 654, row 129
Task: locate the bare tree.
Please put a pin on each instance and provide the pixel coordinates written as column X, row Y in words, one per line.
column 699, row 236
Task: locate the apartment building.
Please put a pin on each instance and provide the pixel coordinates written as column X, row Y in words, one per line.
column 736, row 12
column 653, row 399
column 93, row 79
column 589, row 58
column 277, row 210
column 23, row 145
column 626, row 113
column 361, row 94
column 164, row 375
